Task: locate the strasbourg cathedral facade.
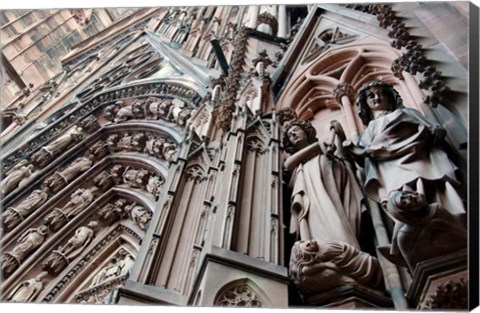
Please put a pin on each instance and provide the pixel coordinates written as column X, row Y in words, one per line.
column 261, row 156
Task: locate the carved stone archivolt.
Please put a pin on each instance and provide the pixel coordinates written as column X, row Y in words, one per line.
column 69, row 135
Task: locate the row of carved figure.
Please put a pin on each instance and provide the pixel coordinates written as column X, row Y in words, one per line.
column 81, row 198
column 60, row 258
column 406, row 173
column 173, row 110
column 33, row 238
column 108, row 278
column 157, row 146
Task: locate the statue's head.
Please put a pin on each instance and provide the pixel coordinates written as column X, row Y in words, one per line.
column 404, row 205
column 92, row 224
column 376, row 95
column 298, row 134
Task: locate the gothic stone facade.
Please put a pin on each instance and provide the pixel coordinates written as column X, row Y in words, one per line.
column 212, row 156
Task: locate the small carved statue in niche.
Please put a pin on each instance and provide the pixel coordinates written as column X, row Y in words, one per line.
column 99, row 149
column 113, row 212
column 117, row 267
column 28, row 290
column 317, row 266
column 60, row 179
column 112, row 142
column 134, row 142
column 104, row 181
column 158, row 108
column 45, row 154
column 138, row 214
column 16, row 177
column 136, row 178
column 400, row 150
column 60, row 258
column 422, row 231
column 117, row 173
column 154, row 186
column 154, row 146
column 79, row 200
column 15, row 215
column 326, row 198
column 28, row 242
column 110, row 111
column 169, row 150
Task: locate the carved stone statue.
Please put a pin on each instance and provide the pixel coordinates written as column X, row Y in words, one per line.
column 45, row 154
column 134, row 142
column 326, row 198
column 113, row 212
column 118, row 266
column 28, row 242
column 28, row 290
column 154, row 146
column 400, row 150
column 117, row 173
column 158, row 108
column 60, row 179
column 317, row 266
column 169, row 150
column 423, row 231
column 79, row 200
column 99, row 149
column 59, row 259
column 15, row 215
column 136, row 178
column 138, row 214
column 154, row 186
column 112, row 142
column 16, row 177
column 104, row 181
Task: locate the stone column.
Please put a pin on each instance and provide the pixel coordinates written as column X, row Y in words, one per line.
column 282, row 21
column 253, row 12
column 344, row 95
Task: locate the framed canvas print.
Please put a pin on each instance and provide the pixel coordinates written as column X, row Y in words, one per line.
column 272, row 155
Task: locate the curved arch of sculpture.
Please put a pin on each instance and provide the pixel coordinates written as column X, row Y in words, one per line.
column 137, row 159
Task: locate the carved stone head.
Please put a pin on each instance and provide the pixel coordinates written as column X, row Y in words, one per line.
column 297, row 134
column 364, row 111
